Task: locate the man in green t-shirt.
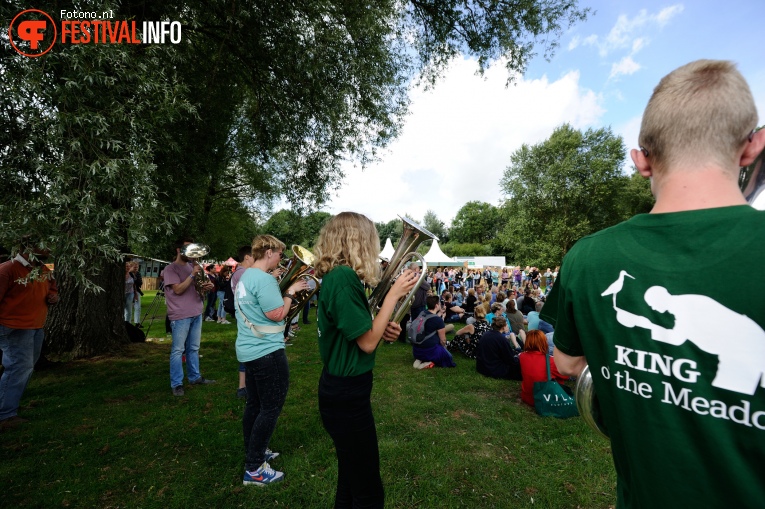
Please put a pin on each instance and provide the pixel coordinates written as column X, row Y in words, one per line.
column 677, row 365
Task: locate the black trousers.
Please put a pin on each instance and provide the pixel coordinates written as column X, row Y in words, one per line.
column 346, row 412
column 267, row 380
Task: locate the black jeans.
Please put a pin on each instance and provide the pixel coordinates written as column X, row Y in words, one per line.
column 267, row 380
column 346, row 412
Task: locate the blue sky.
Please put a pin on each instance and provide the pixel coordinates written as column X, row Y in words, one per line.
column 459, row 136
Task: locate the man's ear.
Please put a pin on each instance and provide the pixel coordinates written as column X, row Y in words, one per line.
column 753, row 148
column 641, row 163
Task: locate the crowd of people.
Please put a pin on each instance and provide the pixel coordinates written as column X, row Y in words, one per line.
column 453, row 279
column 505, row 341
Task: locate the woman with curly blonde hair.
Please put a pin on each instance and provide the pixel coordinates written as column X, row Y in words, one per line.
column 346, row 258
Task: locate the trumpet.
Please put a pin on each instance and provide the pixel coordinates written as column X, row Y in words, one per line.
column 194, row 252
column 295, row 268
column 405, row 253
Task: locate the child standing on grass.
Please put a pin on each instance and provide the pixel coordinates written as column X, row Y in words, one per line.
column 346, row 258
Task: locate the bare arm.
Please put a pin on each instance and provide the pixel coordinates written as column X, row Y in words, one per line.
column 568, row 365
column 442, row 336
column 467, row 329
column 278, row 314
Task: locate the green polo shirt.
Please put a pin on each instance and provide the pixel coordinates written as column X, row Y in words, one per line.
column 343, row 316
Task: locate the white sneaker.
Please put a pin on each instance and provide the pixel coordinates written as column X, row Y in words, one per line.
column 225, row 322
column 208, row 319
column 417, row 364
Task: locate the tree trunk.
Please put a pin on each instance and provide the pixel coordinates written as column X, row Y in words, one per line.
column 84, row 324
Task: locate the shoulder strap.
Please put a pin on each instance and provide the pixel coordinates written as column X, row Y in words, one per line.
column 257, row 330
column 547, row 360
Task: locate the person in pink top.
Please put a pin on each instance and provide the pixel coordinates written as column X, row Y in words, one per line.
column 184, row 309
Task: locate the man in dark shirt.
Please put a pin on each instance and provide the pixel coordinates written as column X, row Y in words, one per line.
column 496, row 355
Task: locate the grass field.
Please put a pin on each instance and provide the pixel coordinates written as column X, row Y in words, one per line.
column 107, row 432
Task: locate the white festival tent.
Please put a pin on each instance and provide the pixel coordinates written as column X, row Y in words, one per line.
column 388, row 250
column 436, row 258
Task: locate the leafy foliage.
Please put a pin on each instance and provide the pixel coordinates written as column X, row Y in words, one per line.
column 475, row 222
column 435, row 226
column 443, row 29
column 467, row 249
column 292, row 228
column 562, row 189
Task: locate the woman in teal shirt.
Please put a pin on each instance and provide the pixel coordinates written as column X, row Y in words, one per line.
column 260, row 312
column 346, row 258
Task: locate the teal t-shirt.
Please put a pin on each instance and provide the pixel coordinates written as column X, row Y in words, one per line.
column 677, row 354
column 343, row 316
column 257, row 293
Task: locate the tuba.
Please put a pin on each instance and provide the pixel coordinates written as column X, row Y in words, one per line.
column 405, row 253
column 194, row 252
column 587, row 402
column 297, row 267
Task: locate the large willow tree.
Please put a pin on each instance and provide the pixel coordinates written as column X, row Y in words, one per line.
column 107, row 149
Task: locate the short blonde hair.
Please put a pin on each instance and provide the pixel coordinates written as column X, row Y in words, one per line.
column 349, row 239
column 263, row 243
column 479, row 313
column 699, row 113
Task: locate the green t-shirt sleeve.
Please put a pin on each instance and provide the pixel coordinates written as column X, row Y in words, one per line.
column 351, row 312
column 559, row 312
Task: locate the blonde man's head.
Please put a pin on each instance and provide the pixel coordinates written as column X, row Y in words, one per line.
column 700, row 113
column 349, row 239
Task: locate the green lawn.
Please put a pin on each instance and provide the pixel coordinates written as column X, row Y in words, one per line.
column 107, row 432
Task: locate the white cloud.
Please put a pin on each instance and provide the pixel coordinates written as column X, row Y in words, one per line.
column 668, row 13
column 626, row 32
column 458, row 140
column 625, row 66
column 573, row 43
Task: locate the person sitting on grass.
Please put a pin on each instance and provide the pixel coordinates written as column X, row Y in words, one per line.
column 516, row 320
column 470, row 301
column 452, row 312
column 535, row 323
column 432, row 352
column 496, row 310
column 496, row 355
column 467, row 338
column 533, row 365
